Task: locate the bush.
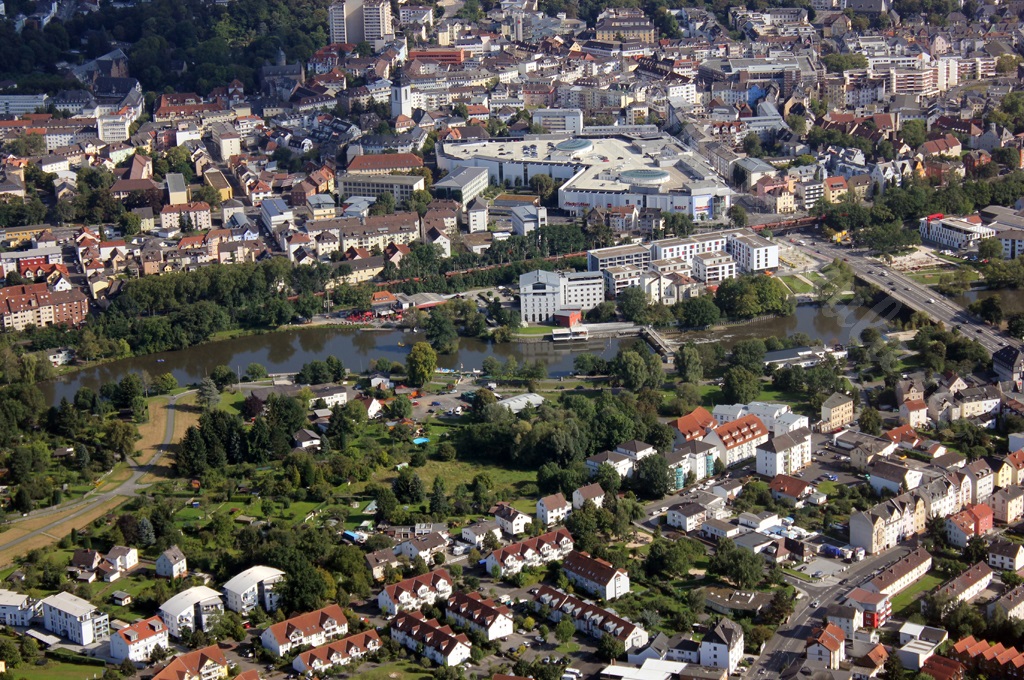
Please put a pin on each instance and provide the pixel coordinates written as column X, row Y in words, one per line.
column 71, row 657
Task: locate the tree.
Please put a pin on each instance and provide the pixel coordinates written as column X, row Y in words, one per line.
column 990, row 249
column 699, row 312
column 870, row 421
column 208, row 394
column 407, row 486
column 304, row 587
column 740, row 386
column 893, row 669
column 976, row 550
column 651, row 477
column 564, row 630
column 990, row 309
column 914, row 133
column 222, row 376
column 421, row 363
column 400, row 407
column 439, row 505
column 737, row 215
column 255, row 371
column 441, row 333
column 384, row 205
column 610, row 648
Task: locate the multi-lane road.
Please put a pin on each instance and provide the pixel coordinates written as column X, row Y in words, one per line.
column 910, row 293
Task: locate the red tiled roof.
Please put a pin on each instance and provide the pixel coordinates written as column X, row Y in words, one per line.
column 308, row 624
column 695, row 423
column 741, row 431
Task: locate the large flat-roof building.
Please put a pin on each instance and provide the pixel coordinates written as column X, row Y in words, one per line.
column 543, row 294
column 400, row 186
column 611, row 171
column 463, row 184
column 953, row 232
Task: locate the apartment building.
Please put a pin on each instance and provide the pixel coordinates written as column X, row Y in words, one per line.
column 616, row 256
column 172, row 563
column 722, row 646
column 37, row 305
column 827, row 646
column 875, row 607
column 1006, row 556
column 186, row 217
column 17, row 609
column 784, row 454
column 253, row 588
column 712, row 268
column 533, row 552
column 836, row 412
column 345, row 22
column 966, row 586
column 902, row 574
column 974, row 520
column 208, row 663
column 595, row 576
column 137, row 641
column 413, row 593
column 195, row 609
column 377, row 20
column 1011, row 604
column 753, row 253
column 72, row 617
column 553, row 509
column 472, row 610
column 510, row 520
column 886, row 524
column 1007, row 504
column 589, row 619
column 337, row 653
column 738, row 440
column 438, row 643
column 312, row 629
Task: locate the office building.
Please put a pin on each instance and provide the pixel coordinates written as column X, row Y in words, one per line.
column 542, row 294
column 345, row 22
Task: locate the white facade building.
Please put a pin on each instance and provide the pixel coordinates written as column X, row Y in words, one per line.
column 72, row 617
column 712, row 268
column 137, row 641
column 253, row 588
column 953, row 232
column 542, row 294
column 17, row 609
column 195, row 609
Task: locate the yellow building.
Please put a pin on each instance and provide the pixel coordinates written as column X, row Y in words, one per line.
column 217, row 180
column 836, row 412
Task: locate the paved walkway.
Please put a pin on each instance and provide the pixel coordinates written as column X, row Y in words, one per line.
column 129, row 488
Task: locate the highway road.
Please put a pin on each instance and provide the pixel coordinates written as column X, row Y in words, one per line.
column 912, row 294
column 130, row 487
column 790, row 639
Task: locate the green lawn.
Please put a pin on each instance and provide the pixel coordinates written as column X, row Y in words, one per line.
column 535, row 330
column 799, row 574
column 400, row 670
column 568, row 648
column 57, row 670
column 826, row 487
column 814, row 276
column 909, row 596
column 796, row 285
column 231, row 401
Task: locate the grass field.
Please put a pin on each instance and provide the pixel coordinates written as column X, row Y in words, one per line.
column 185, row 414
column 905, row 599
column 152, row 432
column 231, row 401
column 816, row 277
column 799, row 575
column 535, row 330
column 400, row 670
column 796, row 285
column 57, row 670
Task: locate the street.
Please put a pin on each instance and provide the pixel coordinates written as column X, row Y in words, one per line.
column 791, row 638
column 906, row 291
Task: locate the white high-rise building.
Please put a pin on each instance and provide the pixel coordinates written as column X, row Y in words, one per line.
column 345, row 21
column 377, row 19
column 543, row 293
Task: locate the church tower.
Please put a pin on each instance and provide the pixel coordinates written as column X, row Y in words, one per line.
column 401, row 95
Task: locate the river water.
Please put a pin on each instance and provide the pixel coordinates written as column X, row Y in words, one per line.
column 287, row 351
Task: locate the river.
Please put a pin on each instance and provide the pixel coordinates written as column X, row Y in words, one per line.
column 286, row 351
